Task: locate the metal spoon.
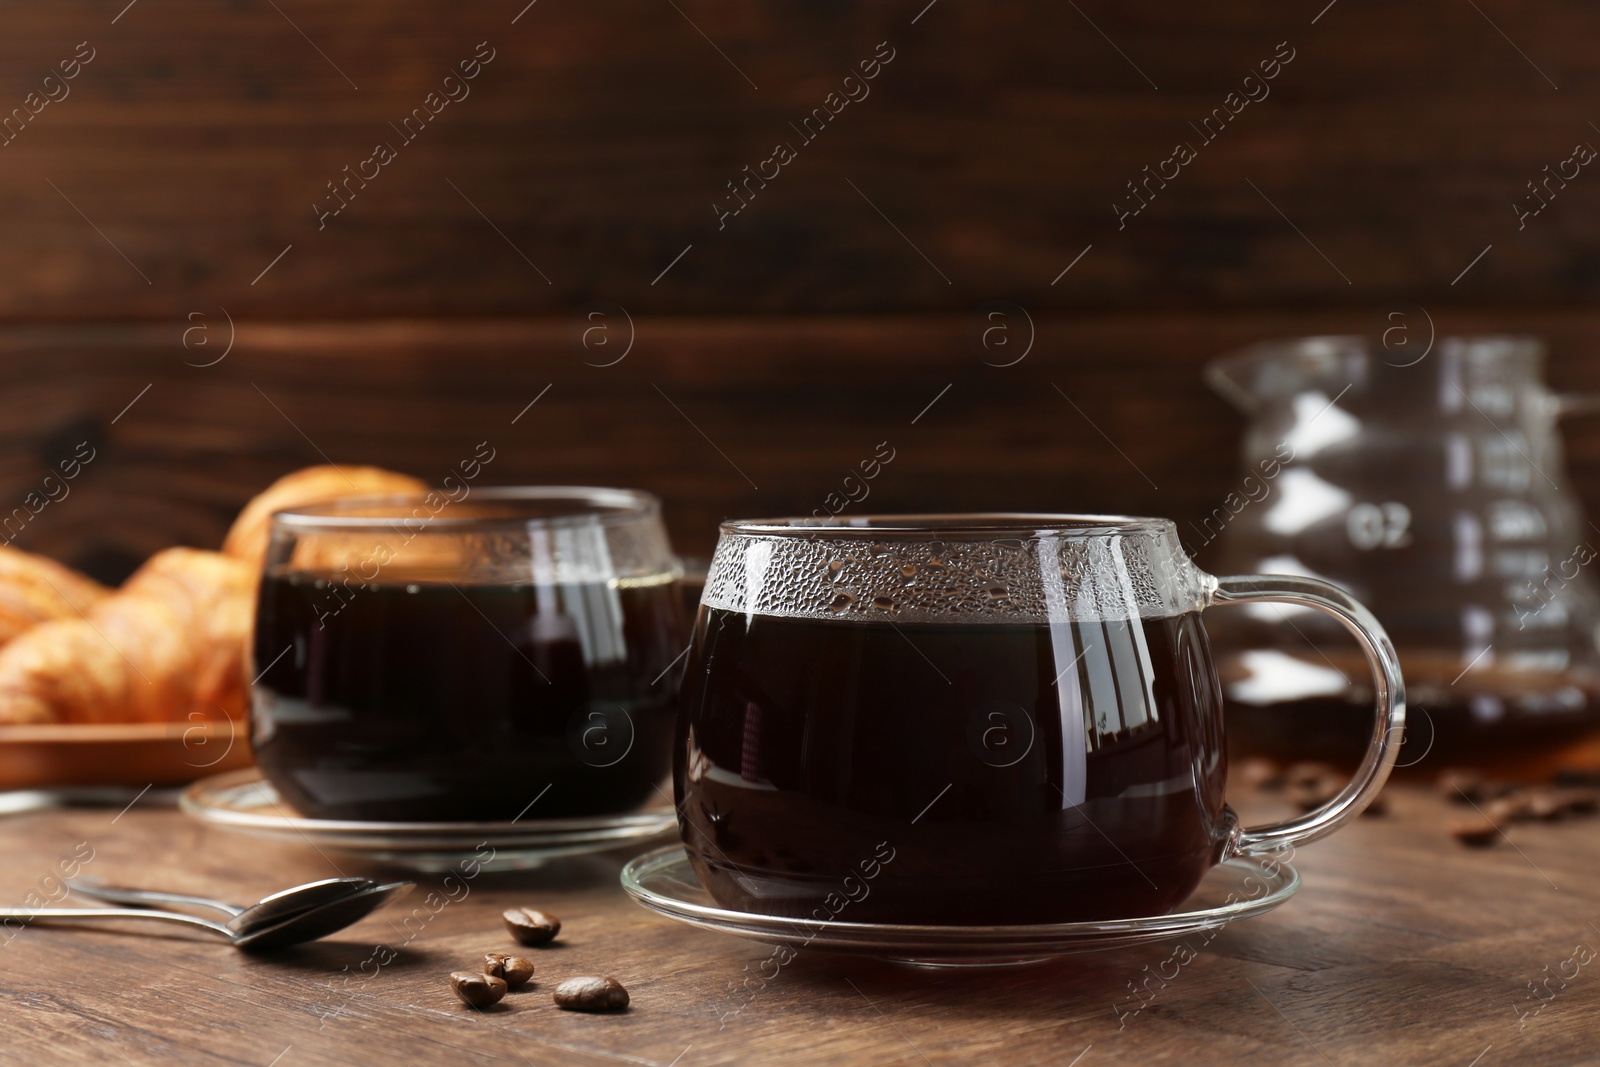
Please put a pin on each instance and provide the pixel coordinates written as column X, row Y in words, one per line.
column 264, row 912
column 308, row 925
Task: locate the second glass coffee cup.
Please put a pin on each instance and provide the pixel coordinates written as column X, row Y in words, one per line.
column 502, row 656
column 974, row 720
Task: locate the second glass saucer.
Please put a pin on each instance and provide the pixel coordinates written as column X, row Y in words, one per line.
column 244, row 802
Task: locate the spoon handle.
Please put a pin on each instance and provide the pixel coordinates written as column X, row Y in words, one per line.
column 145, row 897
column 53, row 915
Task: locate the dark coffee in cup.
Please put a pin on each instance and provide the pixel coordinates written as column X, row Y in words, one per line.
column 508, row 659
column 813, row 741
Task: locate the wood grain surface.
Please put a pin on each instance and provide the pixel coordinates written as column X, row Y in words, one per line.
column 724, row 417
column 1401, row 947
column 1379, row 161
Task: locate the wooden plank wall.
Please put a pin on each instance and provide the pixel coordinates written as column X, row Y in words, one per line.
column 180, row 180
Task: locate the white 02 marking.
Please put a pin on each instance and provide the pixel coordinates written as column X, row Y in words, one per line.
column 1372, row 526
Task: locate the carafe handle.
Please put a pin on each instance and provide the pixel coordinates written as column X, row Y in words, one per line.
column 1390, row 709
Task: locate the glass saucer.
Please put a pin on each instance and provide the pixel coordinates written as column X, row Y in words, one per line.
column 664, row 882
column 244, row 802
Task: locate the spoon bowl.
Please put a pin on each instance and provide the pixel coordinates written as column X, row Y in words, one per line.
column 320, row 921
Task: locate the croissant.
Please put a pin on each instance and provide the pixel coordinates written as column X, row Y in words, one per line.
column 170, row 641
column 34, row 589
column 247, row 537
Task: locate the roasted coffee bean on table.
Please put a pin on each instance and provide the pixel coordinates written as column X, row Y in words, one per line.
column 1308, row 796
column 1583, row 801
column 1378, row 805
column 1579, row 801
column 1257, row 772
column 1311, row 785
column 1307, row 785
column 1512, row 807
column 530, row 926
column 1476, row 831
column 1552, row 803
column 1312, row 774
column 515, row 970
column 478, row 990
column 1462, row 786
column 1586, row 776
column 1546, row 805
column 591, row 994
column 1501, row 802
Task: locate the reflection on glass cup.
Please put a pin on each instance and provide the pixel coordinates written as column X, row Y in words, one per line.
column 503, row 656
column 973, row 719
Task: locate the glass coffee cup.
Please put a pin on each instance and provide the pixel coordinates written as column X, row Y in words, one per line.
column 1001, row 719
column 503, row 656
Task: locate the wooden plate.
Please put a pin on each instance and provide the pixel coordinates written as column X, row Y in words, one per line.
column 132, row 754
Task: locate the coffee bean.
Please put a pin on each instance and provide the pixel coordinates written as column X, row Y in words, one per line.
column 1551, row 804
column 516, row 970
column 1308, row 796
column 1578, row 776
column 1580, row 801
column 1546, row 805
column 1258, row 773
column 1461, row 786
column 1503, row 802
column 1311, row 785
column 1512, row 807
column 1477, row 831
column 478, row 990
column 530, row 926
column 591, row 994
column 1310, row 774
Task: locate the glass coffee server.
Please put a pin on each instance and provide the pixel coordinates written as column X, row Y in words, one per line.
column 1431, row 487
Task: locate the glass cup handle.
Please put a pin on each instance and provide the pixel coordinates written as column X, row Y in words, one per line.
column 1388, row 726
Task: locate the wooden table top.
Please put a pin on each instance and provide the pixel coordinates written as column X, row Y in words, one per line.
column 1401, row 947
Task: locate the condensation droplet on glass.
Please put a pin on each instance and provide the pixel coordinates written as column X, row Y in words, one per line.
column 835, row 569
column 841, row 602
column 883, row 603
column 998, row 592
